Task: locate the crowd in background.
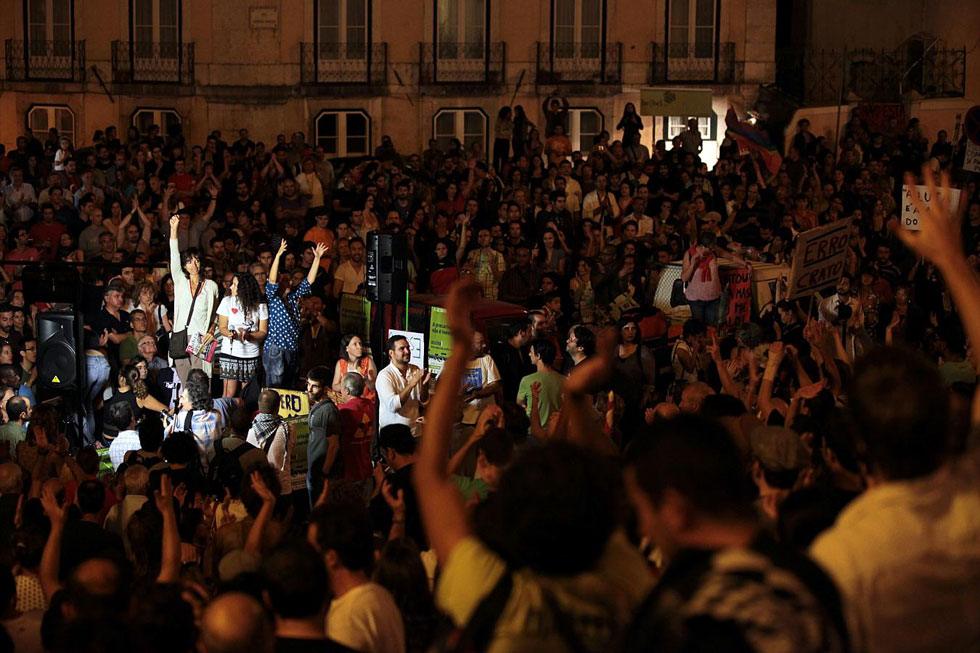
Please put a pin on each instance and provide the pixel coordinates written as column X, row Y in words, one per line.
column 587, row 479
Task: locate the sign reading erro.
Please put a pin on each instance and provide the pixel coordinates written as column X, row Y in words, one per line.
column 819, row 260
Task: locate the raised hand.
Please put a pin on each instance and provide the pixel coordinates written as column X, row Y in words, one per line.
column 595, row 370
column 56, row 512
column 394, row 498
column 174, row 223
column 319, row 251
column 939, row 238
column 261, row 489
column 164, row 497
column 459, row 307
column 536, row 390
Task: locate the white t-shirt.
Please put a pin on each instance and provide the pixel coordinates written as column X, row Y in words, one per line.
column 351, row 277
column 480, row 372
column 367, row 619
column 231, row 308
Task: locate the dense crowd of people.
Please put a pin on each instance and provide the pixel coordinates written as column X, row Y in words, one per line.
column 600, row 477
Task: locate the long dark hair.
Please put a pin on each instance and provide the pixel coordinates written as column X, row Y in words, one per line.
column 249, row 293
column 504, row 113
column 400, row 571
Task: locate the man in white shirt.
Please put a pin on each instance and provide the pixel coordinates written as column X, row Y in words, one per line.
column 905, row 555
column 363, row 615
column 573, row 190
column 600, row 205
column 349, row 276
column 402, row 388
column 121, row 416
column 481, row 381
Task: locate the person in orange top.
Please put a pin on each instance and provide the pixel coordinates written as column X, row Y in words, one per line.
column 322, row 234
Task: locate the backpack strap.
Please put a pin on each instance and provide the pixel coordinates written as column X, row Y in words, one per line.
column 478, row 632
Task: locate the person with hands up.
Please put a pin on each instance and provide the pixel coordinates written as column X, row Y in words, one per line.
column 279, row 355
column 195, row 303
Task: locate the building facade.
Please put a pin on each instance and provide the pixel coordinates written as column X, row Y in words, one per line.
column 346, row 72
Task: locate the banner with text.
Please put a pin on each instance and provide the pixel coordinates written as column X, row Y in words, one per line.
column 818, row 259
column 294, row 408
column 910, row 217
column 440, row 342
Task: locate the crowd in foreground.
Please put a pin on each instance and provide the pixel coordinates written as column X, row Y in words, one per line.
column 589, row 481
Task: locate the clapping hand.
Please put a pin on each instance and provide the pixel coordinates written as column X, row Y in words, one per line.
column 261, row 489
column 56, row 511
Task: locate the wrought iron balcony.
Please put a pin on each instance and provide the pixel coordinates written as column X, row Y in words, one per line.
column 579, row 63
column 815, row 76
column 344, row 63
column 152, row 63
column 462, row 63
column 690, row 62
column 62, row 61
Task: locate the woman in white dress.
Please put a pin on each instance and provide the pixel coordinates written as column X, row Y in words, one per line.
column 243, row 320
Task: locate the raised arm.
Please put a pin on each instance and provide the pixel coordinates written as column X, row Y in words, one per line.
column 170, row 555
column 253, row 544
column 51, row 558
column 319, row 251
column 440, row 504
column 577, row 415
column 939, row 239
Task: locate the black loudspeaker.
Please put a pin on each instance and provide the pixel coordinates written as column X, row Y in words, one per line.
column 386, row 268
column 58, row 340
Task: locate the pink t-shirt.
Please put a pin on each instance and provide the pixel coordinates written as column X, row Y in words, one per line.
column 704, row 286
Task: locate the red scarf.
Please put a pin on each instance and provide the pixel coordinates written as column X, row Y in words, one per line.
column 704, row 265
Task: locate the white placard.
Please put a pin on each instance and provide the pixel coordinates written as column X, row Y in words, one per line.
column 972, row 161
column 910, row 217
column 416, row 341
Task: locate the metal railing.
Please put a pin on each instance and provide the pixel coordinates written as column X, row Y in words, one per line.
column 62, row 61
column 689, row 62
column 344, row 63
column 578, row 63
column 152, row 63
column 462, row 63
column 816, row 76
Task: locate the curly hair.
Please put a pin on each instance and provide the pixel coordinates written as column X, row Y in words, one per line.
column 199, row 395
column 131, row 374
column 249, row 293
column 142, row 286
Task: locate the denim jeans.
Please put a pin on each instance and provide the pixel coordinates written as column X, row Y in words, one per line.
column 279, row 366
column 97, row 374
column 705, row 311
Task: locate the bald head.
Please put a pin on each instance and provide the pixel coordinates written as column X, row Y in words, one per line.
column 269, row 401
column 98, row 576
column 236, row 623
column 693, row 396
column 11, row 479
column 666, row 410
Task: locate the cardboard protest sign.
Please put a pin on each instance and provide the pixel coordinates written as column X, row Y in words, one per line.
column 294, row 408
column 819, row 258
column 910, row 217
column 971, row 163
column 440, row 340
column 739, row 296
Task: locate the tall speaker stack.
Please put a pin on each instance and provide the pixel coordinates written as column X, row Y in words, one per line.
column 386, row 268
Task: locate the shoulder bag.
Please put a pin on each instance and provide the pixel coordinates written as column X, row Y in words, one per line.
column 178, row 339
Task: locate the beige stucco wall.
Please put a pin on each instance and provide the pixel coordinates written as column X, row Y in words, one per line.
column 250, row 77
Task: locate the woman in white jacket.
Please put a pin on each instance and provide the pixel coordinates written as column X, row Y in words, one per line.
column 189, row 283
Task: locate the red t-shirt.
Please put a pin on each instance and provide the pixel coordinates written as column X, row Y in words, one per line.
column 183, row 183
column 50, row 233
column 357, row 425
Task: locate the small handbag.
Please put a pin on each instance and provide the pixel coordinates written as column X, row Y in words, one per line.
column 179, row 339
column 677, row 296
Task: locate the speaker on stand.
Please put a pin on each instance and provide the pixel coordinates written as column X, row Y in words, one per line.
column 386, row 268
column 61, row 367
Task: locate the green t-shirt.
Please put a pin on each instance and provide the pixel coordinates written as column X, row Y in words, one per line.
column 550, row 400
column 13, row 433
column 470, row 486
column 128, row 349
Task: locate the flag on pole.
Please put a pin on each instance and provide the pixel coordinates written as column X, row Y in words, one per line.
column 748, row 137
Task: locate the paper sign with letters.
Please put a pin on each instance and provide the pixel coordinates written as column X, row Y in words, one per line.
column 819, row 259
column 910, row 217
